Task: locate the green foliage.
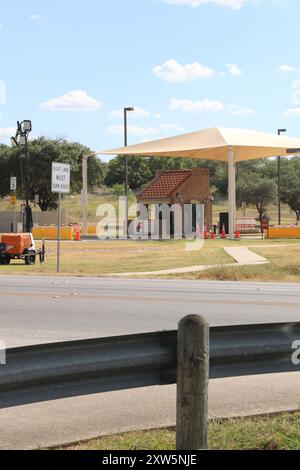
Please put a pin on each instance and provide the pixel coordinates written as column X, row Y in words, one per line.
column 257, row 192
column 141, row 170
column 118, row 190
column 290, row 183
column 138, row 172
column 42, row 153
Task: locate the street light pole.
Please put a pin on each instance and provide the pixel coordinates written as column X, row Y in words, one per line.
column 280, row 131
column 126, row 110
column 21, row 140
column 27, row 208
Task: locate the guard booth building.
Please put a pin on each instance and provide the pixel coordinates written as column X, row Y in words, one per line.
column 181, row 187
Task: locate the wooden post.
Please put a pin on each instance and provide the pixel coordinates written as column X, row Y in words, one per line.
column 192, row 383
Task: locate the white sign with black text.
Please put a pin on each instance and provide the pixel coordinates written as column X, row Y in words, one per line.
column 13, row 183
column 61, row 178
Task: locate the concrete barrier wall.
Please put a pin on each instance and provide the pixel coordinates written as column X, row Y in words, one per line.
column 39, row 218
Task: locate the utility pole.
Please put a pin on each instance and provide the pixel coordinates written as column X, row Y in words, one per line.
column 126, row 110
column 280, row 131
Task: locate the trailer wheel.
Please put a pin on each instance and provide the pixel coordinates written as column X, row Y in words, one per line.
column 30, row 257
column 5, row 261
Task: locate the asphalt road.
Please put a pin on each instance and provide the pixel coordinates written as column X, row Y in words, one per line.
column 41, row 309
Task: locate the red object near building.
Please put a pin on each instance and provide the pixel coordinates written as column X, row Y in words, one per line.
column 223, row 232
column 265, row 224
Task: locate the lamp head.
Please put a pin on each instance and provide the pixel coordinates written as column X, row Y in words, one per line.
column 27, row 125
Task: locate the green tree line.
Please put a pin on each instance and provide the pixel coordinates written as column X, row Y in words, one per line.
column 256, row 179
column 42, row 152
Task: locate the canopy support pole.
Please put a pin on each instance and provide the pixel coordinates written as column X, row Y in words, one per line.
column 231, row 192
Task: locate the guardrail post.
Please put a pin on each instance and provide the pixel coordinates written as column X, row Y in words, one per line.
column 192, row 383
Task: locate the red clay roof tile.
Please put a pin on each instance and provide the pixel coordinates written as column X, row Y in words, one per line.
column 165, row 185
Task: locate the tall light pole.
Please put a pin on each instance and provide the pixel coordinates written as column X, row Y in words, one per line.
column 21, row 140
column 126, row 110
column 280, row 131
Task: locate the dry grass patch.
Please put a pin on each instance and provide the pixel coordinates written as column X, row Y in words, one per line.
column 106, row 257
column 260, row 433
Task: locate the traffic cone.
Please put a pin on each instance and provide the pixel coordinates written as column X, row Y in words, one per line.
column 77, row 234
column 212, row 234
column 237, row 235
column 205, row 232
column 223, row 232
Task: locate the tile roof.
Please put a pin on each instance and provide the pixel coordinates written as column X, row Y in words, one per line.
column 165, row 185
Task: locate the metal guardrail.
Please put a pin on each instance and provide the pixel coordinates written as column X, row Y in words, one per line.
column 46, row 372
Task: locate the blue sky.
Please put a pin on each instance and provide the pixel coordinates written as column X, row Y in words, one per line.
column 70, row 66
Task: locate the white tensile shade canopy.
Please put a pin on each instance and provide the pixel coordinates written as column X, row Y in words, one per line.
column 223, row 144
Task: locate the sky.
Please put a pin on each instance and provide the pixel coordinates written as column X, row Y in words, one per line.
column 185, row 65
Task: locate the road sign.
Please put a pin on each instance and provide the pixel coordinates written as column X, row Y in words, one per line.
column 61, row 178
column 13, row 199
column 13, row 183
column 61, row 185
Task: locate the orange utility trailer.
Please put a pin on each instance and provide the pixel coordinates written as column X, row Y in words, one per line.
column 19, row 246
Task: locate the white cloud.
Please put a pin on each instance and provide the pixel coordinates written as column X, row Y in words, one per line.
column 7, row 132
column 134, row 130
column 172, row 127
column 234, row 70
column 137, row 113
column 196, row 106
column 172, row 71
column 292, row 112
column 233, row 4
column 240, row 111
column 157, row 115
column 287, row 68
column 37, row 17
column 76, row 100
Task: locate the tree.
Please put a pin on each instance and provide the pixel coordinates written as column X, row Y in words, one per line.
column 42, row 153
column 139, row 172
column 143, row 169
column 290, row 184
column 257, row 192
column 4, row 173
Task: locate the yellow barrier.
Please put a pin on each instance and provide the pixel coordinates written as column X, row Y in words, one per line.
column 92, row 230
column 50, row 233
column 283, row 232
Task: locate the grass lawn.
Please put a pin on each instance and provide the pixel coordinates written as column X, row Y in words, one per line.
column 98, row 258
column 261, row 433
column 284, row 267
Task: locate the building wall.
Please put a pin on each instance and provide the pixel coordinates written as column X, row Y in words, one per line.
column 195, row 190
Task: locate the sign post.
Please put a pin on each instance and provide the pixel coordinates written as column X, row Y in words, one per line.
column 13, row 199
column 36, row 203
column 61, row 185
